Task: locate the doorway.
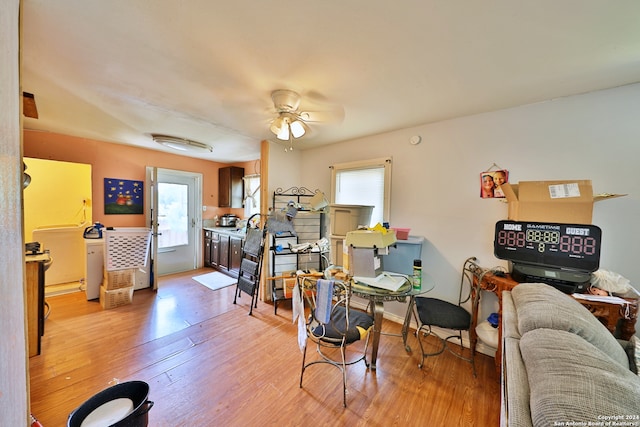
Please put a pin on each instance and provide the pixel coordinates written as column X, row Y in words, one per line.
column 175, row 219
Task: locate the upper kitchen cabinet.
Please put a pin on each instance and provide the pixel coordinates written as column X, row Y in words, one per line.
column 231, row 188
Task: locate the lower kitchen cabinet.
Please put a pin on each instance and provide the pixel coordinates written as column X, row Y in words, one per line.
column 235, row 254
column 223, row 252
column 207, row 248
column 211, row 248
column 223, row 261
column 215, row 250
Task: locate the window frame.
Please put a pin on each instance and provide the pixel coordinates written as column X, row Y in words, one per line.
column 249, row 210
column 384, row 162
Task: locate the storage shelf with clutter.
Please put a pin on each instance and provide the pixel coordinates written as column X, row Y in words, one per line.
column 297, row 228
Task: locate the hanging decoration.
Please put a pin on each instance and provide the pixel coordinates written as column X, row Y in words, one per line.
column 491, row 181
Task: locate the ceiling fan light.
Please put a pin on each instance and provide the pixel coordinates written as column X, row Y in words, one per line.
column 283, row 133
column 276, row 125
column 181, row 144
column 298, row 128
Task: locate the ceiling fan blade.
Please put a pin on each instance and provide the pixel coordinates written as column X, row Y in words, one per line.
column 29, row 108
column 332, row 116
column 315, row 108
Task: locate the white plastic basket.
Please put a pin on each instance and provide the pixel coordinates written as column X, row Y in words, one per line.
column 126, row 247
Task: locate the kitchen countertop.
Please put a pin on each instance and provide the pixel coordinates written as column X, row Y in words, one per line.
column 231, row 231
column 38, row 257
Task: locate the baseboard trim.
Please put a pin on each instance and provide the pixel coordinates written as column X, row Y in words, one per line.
column 481, row 347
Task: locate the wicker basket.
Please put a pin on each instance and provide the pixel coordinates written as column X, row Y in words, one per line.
column 119, row 278
column 115, row 298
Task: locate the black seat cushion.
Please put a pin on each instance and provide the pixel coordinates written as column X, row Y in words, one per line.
column 335, row 329
column 436, row 312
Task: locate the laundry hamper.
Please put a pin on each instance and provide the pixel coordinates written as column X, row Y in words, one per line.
column 126, row 247
column 126, row 250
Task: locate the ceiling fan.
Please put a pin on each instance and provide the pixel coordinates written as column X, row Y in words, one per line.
column 291, row 121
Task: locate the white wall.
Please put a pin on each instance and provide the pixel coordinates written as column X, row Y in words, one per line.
column 14, row 398
column 435, row 185
column 284, row 169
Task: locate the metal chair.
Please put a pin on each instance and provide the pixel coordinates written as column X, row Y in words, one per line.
column 332, row 324
column 251, row 263
column 434, row 312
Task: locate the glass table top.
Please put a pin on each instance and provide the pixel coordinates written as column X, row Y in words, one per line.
column 406, row 290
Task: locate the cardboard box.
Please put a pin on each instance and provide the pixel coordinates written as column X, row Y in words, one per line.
column 568, row 202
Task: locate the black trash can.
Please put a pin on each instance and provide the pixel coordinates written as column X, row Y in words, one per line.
column 137, row 391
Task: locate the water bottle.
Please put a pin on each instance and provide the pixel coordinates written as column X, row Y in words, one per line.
column 417, row 273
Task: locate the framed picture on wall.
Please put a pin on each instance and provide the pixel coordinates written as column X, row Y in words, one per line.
column 123, row 196
column 490, row 182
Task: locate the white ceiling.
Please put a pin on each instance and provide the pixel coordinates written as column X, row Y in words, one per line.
column 119, row 70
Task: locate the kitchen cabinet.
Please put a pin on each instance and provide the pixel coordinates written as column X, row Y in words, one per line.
column 215, row 250
column 223, row 260
column 235, row 254
column 211, row 248
column 223, row 251
column 230, row 187
column 207, row 247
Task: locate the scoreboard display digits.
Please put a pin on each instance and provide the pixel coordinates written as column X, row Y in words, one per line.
column 575, row 246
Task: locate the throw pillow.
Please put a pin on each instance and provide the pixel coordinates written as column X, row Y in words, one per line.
column 570, row 380
column 543, row 306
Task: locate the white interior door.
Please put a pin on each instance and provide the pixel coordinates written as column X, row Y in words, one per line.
column 176, row 220
column 151, row 210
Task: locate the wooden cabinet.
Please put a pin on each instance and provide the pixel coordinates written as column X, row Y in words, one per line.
column 223, row 260
column 223, row 252
column 235, row 254
column 230, row 187
column 35, row 269
column 211, row 248
column 215, row 250
column 207, row 248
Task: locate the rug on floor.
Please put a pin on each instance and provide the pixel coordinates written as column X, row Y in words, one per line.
column 215, row 280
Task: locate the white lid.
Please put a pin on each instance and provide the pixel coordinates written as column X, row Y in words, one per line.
column 109, row 413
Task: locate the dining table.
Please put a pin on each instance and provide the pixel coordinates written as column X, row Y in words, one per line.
column 378, row 296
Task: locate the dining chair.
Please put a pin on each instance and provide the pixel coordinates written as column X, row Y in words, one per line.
column 332, row 324
column 457, row 317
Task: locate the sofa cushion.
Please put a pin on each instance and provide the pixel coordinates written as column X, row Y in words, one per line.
column 515, row 386
column 543, row 306
column 572, row 380
column 634, row 351
column 509, row 317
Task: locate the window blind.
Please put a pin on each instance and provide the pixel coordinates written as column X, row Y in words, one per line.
column 363, row 186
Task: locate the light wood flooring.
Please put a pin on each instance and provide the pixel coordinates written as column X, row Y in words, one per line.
column 210, row 364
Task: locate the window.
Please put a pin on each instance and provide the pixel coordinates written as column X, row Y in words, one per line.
column 251, row 195
column 173, row 215
column 366, row 182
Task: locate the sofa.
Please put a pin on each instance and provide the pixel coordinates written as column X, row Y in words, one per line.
column 561, row 366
